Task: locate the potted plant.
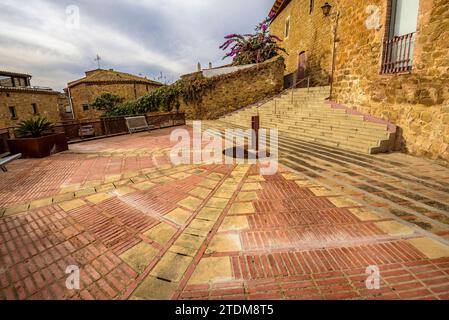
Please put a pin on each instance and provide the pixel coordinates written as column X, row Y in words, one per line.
column 35, row 138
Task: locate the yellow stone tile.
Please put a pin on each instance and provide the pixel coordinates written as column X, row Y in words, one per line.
column 197, row 232
column 84, row 192
column 179, row 216
column 70, row 188
column 210, row 184
column 246, row 196
column 342, row 202
column 211, row 270
column 241, row 208
column 138, row 179
column 99, row 198
column 105, row 187
column 154, row 289
column 41, row 203
column 16, row 209
column 306, row 184
column 162, row 180
column 225, row 194
column 256, row 178
column 146, row 185
column 202, row 224
column 120, row 183
column 171, row 267
column 431, row 248
column 225, row 243
column 183, row 251
column 322, row 192
column 218, row 203
column 189, row 241
column 123, row 191
column 112, row 178
column 149, row 170
column 161, row 233
column 365, row 214
column 200, row 192
column 71, row 205
column 291, row 176
column 93, row 183
column 216, row 176
column 180, row 176
column 251, row 186
column 394, row 228
column 140, row 256
column 130, row 174
column 63, row 197
column 234, row 224
column 191, row 203
column 211, row 214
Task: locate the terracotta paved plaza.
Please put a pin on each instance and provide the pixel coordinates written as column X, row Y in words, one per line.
column 140, row 228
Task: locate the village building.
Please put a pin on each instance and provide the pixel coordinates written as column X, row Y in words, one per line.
column 83, row 92
column 385, row 58
column 20, row 101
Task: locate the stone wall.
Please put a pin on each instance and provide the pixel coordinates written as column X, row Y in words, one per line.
column 86, row 93
column 309, row 32
column 417, row 102
column 236, row 90
column 46, row 103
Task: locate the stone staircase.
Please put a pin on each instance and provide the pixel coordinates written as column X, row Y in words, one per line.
column 307, row 115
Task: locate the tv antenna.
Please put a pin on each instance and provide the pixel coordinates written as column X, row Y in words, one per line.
column 98, row 60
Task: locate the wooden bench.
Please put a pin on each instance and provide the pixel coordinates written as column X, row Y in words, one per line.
column 86, row 131
column 138, row 124
column 8, row 159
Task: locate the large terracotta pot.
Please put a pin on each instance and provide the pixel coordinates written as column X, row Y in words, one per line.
column 39, row 147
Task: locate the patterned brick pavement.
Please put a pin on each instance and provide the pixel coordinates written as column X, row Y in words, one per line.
column 140, row 228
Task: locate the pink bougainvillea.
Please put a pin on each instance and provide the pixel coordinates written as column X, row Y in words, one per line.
column 252, row 48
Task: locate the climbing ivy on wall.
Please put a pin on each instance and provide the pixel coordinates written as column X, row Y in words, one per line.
column 165, row 98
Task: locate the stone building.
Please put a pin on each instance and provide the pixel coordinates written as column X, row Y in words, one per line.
column 390, row 59
column 83, row 92
column 20, row 101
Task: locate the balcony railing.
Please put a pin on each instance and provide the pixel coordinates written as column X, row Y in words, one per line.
column 398, row 54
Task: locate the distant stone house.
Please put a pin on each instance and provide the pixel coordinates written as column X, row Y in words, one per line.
column 390, row 59
column 83, row 92
column 21, row 101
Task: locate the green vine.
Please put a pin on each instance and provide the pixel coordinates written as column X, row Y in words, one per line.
column 165, row 98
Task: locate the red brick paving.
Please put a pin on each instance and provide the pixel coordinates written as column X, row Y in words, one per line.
column 298, row 246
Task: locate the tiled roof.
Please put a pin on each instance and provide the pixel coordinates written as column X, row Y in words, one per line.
column 105, row 76
column 278, row 6
column 29, row 89
column 14, row 74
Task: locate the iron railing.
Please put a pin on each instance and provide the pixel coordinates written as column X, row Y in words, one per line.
column 398, row 54
column 103, row 127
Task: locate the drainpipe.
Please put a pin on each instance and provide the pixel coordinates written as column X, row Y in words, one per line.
column 71, row 103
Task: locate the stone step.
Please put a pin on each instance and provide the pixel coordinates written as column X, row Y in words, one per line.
column 336, row 122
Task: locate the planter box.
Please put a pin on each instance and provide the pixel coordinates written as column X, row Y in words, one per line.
column 39, row 147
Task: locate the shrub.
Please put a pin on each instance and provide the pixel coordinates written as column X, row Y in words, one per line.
column 33, row 128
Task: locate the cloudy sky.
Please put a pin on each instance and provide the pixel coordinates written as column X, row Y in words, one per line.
column 44, row 38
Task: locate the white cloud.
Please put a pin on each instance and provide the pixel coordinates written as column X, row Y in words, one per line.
column 34, row 38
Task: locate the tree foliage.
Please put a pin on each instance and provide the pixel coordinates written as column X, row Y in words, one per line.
column 107, row 101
